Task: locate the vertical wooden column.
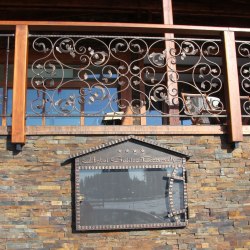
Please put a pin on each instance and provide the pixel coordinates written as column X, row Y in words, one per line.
column 44, row 111
column 142, row 97
column 20, row 84
column 82, row 118
column 172, row 84
column 232, row 88
column 126, row 93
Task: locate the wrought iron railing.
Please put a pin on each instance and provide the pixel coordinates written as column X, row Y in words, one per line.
column 6, row 56
column 128, row 80
column 104, row 79
column 243, row 51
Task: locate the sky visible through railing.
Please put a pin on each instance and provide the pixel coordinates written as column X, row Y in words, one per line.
column 73, row 119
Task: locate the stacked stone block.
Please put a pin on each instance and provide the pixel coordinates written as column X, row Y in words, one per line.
column 36, row 197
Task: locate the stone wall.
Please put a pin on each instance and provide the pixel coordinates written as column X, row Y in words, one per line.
column 35, row 197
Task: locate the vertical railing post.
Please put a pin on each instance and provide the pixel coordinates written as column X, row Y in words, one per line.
column 20, row 84
column 232, row 88
column 172, row 85
column 126, row 93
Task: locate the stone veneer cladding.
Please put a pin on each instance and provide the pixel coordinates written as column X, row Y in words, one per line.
column 36, row 196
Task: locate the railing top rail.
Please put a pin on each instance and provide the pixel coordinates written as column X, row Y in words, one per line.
column 117, row 27
column 160, row 38
column 121, row 27
column 235, row 29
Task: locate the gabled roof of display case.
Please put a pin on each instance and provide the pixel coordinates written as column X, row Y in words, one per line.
column 130, row 138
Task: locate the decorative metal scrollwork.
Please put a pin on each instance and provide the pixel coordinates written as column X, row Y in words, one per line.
column 1, row 102
column 129, row 74
column 244, row 54
column 7, row 44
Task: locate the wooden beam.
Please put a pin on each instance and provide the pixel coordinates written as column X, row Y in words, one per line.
column 19, row 84
column 143, row 111
column 122, row 130
column 171, row 78
column 126, row 130
column 167, row 12
column 232, row 88
column 77, row 5
column 126, row 90
column 114, row 27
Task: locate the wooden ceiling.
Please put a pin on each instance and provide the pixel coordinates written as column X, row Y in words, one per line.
column 235, row 13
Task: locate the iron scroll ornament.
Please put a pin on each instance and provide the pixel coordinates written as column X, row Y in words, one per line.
column 129, row 64
column 244, row 53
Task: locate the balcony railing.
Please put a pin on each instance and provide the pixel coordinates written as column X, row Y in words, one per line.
column 243, row 55
column 81, row 74
column 6, row 72
column 125, row 80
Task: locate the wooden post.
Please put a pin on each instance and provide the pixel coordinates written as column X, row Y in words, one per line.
column 44, row 111
column 142, row 98
column 232, row 88
column 173, row 109
column 20, row 84
column 82, row 118
column 167, row 11
column 126, row 93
